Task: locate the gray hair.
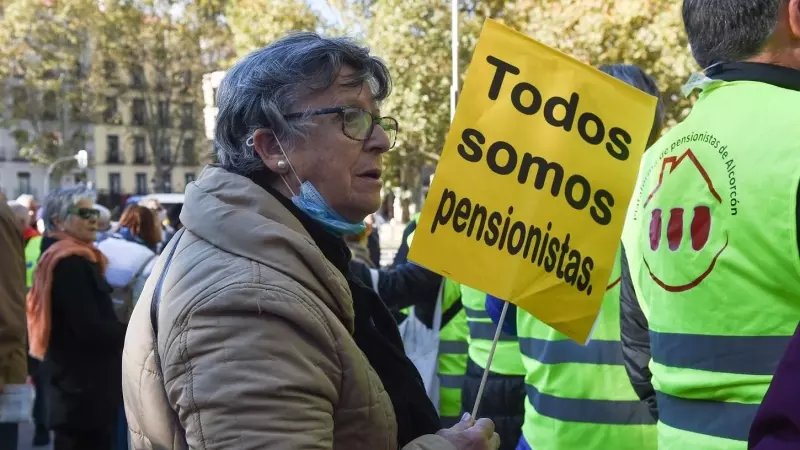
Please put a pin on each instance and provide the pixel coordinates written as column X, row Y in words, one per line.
column 268, row 83
column 59, row 201
column 722, row 31
column 636, row 77
column 20, row 211
column 25, row 200
column 104, row 221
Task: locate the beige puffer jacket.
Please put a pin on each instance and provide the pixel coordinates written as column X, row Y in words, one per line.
column 255, row 338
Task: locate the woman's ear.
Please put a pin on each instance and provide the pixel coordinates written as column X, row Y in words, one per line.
column 269, row 150
column 794, row 18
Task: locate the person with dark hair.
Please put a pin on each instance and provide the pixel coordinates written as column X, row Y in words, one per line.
column 710, row 264
column 253, row 331
column 597, row 407
column 131, row 253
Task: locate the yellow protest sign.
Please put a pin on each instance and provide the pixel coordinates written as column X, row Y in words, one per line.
column 534, row 181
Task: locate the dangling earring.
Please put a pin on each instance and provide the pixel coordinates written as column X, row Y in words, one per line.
column 282, row 166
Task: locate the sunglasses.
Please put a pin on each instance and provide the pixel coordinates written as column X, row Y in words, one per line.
column 85, row 213
column 357, row 124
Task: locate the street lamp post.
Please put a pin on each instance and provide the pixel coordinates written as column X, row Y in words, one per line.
column 81, row 157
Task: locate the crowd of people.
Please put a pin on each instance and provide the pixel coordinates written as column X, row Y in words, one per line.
column 258, row 316
column 82, row 276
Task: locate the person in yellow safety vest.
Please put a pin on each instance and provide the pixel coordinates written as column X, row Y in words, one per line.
column 580, row 396
column 503, row 399
column 407, row 284
column 710, row 265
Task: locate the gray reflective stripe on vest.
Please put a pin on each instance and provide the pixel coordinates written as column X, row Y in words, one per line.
column 590, row 411
column 748, row 355
column 476, row 313
column 451, row 381
column 486, row 330
column 721, row 419
column 567, row 351
column 454, row 347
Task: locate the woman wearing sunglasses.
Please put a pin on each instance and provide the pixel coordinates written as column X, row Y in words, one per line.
column 264, row 338
column 72, row 325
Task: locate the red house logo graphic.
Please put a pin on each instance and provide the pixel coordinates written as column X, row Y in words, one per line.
column 674, row 219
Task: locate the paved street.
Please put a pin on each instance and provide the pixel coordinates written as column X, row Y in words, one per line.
column 26, row 438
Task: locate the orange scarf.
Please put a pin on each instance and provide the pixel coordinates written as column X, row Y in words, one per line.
column 39, row 298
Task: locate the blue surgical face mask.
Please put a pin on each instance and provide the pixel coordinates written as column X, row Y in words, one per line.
column 311, row 202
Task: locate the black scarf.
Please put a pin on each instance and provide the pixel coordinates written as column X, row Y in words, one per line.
column 376, row 333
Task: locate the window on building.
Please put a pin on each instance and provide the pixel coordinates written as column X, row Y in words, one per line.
column 111, row 112
column 19, row 97
column 24, row 183
column 163, row 113
column 49, row 106
column 141, row 183
column 189, row 152
column 187, row 115
column 115, row 183
column 165, row 151
column 138, row 79
column 139, row 150
column 189, row 177
column 214, row 97
column 112, row 149
column 168, row 182
column 139, row 111
column 110, row 70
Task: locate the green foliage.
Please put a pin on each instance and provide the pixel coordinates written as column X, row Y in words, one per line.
column 43, row 48
column 147, row 54
column 256, row 23
column 413, row 36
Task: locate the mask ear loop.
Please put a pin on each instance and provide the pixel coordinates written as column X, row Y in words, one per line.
column 291, row 167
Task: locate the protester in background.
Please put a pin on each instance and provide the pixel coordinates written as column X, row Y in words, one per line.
column 103, row 222
column 173, row 223
column 131, row 253
column 597, row 407
column 711, row 314
column 13, row 367
column 30, row 203
column 374, row 239
column 32, row 241
column 261, row 260
column 72, row 325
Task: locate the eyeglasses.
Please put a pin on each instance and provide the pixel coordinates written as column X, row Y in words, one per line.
column 85, row 213
column 357, row 124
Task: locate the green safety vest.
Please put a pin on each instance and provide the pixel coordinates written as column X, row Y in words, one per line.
column 580, row 396
column 711, row 241
column 507, row 359
column 452, row 359
column 32, row 251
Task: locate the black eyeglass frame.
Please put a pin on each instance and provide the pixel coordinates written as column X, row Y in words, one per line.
column 341, row 111
column 84, row 213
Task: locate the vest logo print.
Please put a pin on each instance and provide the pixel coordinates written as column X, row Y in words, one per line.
column 668, row 231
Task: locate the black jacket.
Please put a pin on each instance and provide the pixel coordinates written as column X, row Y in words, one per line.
column 85, row 350
column 633, row 323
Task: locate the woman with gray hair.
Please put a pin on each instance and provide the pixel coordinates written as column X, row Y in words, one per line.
column 72, row 325
column 252, row 333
